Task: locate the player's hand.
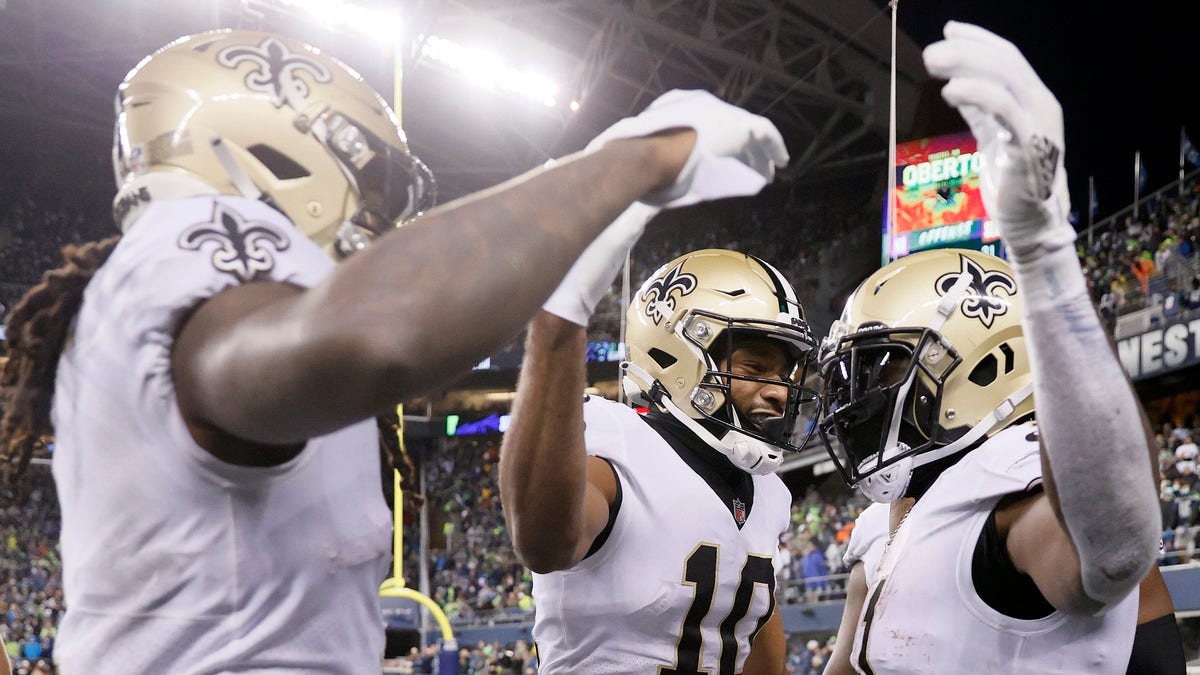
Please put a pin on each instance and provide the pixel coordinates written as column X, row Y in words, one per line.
column 1018, row 125
column 592, row 274
column 735, row 154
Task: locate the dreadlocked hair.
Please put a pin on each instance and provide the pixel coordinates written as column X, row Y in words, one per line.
column 394, row 456
column 36, row 333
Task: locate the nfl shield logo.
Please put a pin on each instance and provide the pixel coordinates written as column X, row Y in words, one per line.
column 739, row 511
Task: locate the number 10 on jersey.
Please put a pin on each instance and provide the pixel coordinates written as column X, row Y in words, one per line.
column 700, row 573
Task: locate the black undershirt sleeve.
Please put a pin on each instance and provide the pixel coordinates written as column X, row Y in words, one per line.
column 1157, row 644
column 999, row 583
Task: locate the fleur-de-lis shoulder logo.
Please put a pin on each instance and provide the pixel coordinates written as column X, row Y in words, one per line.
column 660, row 295
column 980, row 301
column 277, row 70
column 244, row 248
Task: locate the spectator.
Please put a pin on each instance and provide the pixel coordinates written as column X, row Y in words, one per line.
column 1143, row 268
column 1192, row 299
column 1186, row 453
column 816, row 571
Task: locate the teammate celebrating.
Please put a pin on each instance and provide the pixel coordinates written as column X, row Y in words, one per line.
column 211, row 376
column 651, row 537
column 1020, row 543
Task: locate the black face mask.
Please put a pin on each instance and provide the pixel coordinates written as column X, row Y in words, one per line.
column 790, row 431
column 873, row 380
column 393, row 185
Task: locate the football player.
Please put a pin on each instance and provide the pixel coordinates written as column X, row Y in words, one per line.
column 1157, row 642
column 652, row 536
column 211, row 375
column 1018, row 536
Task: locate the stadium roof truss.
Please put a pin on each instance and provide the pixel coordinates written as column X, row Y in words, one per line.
column 819, row 69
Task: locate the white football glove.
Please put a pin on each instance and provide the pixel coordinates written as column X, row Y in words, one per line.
column 592, row 274
column 735, row 155
column 1018, row 125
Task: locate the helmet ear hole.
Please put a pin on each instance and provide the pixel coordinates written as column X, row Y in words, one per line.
column 1009, row 356
column 279, row 164
column 984, row 372
column 662, row 358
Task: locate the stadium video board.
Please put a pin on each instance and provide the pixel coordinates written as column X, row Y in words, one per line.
column 936, row 199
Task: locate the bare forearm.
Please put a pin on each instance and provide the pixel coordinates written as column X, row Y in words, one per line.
column 425, row 302
column 497, row 256
column 543, row 471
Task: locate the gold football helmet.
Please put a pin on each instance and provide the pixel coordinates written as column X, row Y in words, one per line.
column 927, row 359
column 683, row 321
column 271, row 118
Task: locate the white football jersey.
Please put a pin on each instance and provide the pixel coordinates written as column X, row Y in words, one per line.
column 922, row 613
column 867, row 539
column 174, row 561
column 676, row 585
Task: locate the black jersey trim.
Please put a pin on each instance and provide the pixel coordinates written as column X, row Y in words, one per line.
column 613, row 508
column 725, row 480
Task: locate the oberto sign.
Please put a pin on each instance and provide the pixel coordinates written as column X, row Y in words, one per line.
column 1160, row 350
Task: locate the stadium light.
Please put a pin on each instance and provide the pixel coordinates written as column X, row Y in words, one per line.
column 488, row 71
column 384, row 26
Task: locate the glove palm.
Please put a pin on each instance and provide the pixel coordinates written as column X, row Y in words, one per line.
column 1018, row 125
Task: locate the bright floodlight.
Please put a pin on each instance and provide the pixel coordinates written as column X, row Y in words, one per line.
column 488, row 71
column 380, row 25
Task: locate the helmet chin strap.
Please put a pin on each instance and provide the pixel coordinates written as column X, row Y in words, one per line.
column 745, row 452
column 237, row 174
column 889, row 484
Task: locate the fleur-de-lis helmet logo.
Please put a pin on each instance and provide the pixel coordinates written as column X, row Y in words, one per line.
column 278, row 70
column 660, row 295
column 244, row 247
column 980, row 301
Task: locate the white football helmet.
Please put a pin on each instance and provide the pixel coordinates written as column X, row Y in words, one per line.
column 684, row 320
column 271, row 118
column 927, row 359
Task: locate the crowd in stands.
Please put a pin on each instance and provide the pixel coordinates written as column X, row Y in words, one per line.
column 809, row 565
column 1147, row 260
column 34, row 226
column 1179, row 490
column 1150, row 260
column 474, row 573
column 30, row 573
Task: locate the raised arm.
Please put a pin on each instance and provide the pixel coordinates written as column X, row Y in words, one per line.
column 426, row 301
column 277, row 365
column 556, row 499
column 1096, row 535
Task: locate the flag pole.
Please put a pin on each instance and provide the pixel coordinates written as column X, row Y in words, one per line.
column 1137, row 174
column 1181, row 158
column 889, row 209
column 1091, row 207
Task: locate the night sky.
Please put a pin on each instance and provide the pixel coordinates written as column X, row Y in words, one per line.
column 1126, row 76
